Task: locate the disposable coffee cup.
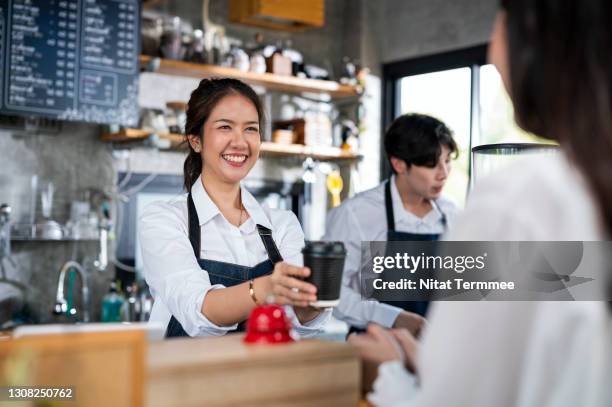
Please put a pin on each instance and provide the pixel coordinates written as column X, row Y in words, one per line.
column 326, row 263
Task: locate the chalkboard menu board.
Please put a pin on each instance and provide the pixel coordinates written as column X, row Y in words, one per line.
column 70, row 59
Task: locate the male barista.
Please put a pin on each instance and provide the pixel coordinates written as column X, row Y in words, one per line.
column 406, row 207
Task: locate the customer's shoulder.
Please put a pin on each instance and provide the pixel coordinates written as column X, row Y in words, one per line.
column 541, row 197
column 532, row 177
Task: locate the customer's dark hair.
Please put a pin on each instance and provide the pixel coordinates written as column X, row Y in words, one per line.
column 201, row 103
column 417, row 139
column 561, row 82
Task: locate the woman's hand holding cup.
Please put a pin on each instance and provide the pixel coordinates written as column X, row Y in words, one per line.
column 287, row 287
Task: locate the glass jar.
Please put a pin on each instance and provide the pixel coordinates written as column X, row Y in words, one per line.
column 171, row 44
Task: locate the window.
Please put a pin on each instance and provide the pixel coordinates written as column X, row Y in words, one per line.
column 496, row 114
column 463, row 91
column 444, row 95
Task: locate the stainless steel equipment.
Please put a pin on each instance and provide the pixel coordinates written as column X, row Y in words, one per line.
column 5, row 232
column 48, row 229
column 488, row 158
column 5, row 245
column 9, row 303
column 102, row 261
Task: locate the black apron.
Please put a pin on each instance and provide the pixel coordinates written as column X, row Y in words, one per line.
column 227, row 274
column 419, row 307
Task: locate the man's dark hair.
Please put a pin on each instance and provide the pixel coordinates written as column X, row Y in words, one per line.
column 417, row 139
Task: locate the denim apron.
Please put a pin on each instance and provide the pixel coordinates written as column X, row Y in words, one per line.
column 219, row 272
column 419, row 307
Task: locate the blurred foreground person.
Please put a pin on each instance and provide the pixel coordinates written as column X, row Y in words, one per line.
column 555, row 61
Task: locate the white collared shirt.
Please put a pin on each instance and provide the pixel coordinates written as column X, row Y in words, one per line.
column 521, row 353
column 363, row 218
column 177, row 282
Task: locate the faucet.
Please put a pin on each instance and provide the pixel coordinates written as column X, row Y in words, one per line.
column 61, row 305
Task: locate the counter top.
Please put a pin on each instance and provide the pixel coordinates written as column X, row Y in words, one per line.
column 122, row 368
column 229, row 349
column 224, row 371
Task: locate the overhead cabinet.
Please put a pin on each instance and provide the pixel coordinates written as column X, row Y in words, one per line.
column 287, row 15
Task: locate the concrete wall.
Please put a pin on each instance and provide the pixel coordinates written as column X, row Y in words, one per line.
column 411, row 28
column 76, row 162
column 73, row 157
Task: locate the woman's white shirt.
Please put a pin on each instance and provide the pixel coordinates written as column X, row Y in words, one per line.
column 177, row 282
column 524, row 354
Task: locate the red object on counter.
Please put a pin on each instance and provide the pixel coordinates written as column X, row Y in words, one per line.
column 268, row 324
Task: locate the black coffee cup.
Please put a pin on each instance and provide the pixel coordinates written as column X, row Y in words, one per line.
column 326, row 263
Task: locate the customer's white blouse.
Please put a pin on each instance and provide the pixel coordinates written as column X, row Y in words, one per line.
column 177, row 282
column 527, row 354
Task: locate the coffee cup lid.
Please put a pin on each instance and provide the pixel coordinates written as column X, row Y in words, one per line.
column 324, row 248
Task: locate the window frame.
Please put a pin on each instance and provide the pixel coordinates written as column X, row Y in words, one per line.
column 472, row 57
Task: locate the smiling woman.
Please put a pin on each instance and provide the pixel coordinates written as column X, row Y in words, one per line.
column 231, row 146
column 214, row 253
column 240, row 113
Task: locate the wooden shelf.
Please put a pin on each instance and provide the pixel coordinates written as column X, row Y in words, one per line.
column 287, row 84
column 320, row 153
column 126, row 135
column 147, row 4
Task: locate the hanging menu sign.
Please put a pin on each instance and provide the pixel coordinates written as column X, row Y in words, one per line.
column 70, row 59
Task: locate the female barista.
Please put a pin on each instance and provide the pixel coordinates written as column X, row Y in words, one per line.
column 409, row 206
column 211, row 255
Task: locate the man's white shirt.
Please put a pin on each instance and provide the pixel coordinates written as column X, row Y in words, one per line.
column 362, row 218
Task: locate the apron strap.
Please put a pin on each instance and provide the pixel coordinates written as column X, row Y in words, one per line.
column 389, row 207
column 443, row 219
column 194, row 226
column 266, row 237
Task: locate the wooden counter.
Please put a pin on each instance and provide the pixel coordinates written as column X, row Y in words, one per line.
column 123, row 369
column 103, row 369
column 226, row 372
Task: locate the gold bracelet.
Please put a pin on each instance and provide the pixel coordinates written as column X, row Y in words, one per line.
column 252, row 291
